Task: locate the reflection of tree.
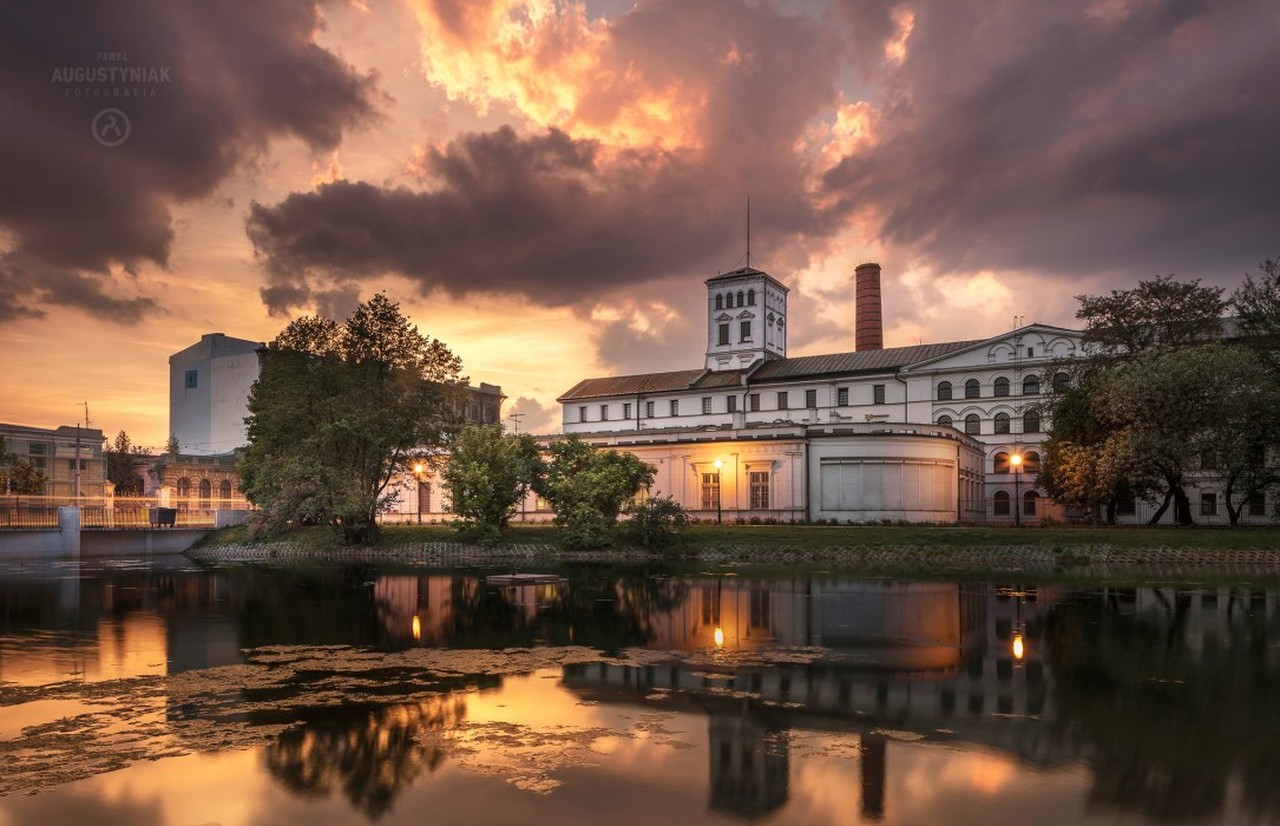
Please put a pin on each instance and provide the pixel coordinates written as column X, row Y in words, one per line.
column 370, row 754
column 1168, row 725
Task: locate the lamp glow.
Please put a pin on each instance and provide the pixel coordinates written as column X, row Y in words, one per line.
column 719, row 635
column 417, row 627
column 1018, row 649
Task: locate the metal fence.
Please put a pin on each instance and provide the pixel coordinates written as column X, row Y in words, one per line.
column 41, row 512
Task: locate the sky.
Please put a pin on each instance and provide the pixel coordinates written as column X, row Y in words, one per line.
column 544, row 186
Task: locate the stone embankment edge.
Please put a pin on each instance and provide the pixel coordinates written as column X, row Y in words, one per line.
column 1003, row 557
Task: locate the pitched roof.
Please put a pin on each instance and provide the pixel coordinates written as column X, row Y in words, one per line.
column 650, row 383
column 861, row 361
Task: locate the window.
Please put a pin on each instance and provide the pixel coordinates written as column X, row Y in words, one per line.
column 1061, row 382
column 706, row 405
column 753, row 402
column 84, row 464
column 944, row 391
column 1031, row 352
column 759, row 482
column 36, row 448
column 1031, row 386
column 648, row 410
column 206, row 492
column 944, row 421
column 1029, row 500
column 1002, row 423
column 604, row 412
column 842, row 396
column 782, row 400
column 1031, row 462
column 811, row 399
column 1000, row 462
column 582, row 413
column 744, row 330
column 719, row 302
column 877, row 394
column 191, row 379
column 751, row 298
column 972, row 424
column 740, row 294
column 626, row 410
column 1257, row 503
column 1000, row 387
column 731, row 404
column 710, row 491
column 224, row 489
column 675, row 407
column 1031, row 422
column 1208, row 503
column 724, row 334
column 184, row 487
column 972, row 390
column 1000, row 503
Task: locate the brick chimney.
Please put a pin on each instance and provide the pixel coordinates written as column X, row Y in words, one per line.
column 868, row 329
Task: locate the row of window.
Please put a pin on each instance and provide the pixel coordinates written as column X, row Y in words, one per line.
column 744, row 333
column 757, row 483
column 727, row 300
column 1001, row 423
column 782, row 400
column 205, row 488
column 1000, row 503
column 1000, row 387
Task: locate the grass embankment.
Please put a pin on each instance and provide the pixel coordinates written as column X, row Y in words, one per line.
column 819, row 537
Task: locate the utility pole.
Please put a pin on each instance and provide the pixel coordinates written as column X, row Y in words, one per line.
column 515, row 418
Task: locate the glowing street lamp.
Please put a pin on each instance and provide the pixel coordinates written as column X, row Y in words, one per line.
column 719, row 464
column 1016, row 461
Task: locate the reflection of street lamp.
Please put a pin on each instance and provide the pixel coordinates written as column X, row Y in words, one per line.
column 719, row 637
column 719, row 464
column 1016, row 461
column 417, row 472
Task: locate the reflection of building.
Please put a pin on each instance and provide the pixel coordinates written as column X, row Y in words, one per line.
column 56, row 452
column 749, row 773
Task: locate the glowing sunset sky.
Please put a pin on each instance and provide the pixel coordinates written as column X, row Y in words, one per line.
column 544, row 186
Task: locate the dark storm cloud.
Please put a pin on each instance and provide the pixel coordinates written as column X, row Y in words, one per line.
column 564, row 219
column 202, row 87
column 1082, row 140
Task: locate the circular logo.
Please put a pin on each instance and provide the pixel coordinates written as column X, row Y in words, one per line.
column 111, row 127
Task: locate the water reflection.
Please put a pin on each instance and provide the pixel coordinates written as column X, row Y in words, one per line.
column 367, row 686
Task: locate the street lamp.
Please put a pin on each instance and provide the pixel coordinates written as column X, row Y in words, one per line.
column 417, row 472
column 1016, row 461
column 719, row 464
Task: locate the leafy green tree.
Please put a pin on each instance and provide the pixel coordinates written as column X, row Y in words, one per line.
column 338, row 411
column 656, row 522
column 171, row 446
column 1257, row 305
column 588, row 488
column 18, row 475
column 488, row 474
column 1161, row 313
column 122, row 465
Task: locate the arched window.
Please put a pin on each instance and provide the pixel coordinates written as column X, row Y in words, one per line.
column 206, row 492
column 739, row 298
column 972, row 390
column 944, row 391
column 1029, row 500
column 1031, row 386
column 719, row 302
column 1061, row 382
column 1031, row 462
column 1000, row 503
column 944, row 421
column 184, row 487
column 751, row 298
column 1000, row 462
column 224, row 490
column 1002, row 423
column 1000, row 387
column 972, row 424
column 1031, row 422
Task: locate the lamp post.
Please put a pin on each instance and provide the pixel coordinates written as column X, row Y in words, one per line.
column 1016, row 461
column 719, row 464
column 417, row 474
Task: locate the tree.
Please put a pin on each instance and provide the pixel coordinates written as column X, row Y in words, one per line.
column 1161, row 313
column 588, row 487
column 18, row 475
column 655, row 522
column 122, row 465
column 339, row 410
column 488, row 474
column 171, row 446
column 1257, row 305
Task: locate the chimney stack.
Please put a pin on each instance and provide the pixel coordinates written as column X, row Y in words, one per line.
column 868, row 329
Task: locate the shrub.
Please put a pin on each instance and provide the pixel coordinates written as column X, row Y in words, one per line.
column 655, row 522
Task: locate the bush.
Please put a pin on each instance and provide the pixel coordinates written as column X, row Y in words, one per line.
column 654, row 522
column 582, row 527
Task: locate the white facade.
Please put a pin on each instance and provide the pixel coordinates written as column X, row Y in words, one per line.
column 209, row 386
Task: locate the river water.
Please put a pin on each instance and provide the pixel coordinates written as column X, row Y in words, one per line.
column 171, row 693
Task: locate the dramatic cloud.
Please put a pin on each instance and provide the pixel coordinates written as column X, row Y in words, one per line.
column 602, row 191
column 116, row 112
column 1116, row 139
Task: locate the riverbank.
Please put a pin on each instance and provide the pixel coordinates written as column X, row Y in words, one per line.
column 1085, row 552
